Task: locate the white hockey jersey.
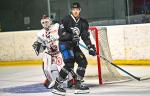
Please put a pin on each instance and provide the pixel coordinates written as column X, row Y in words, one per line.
column 52, row 58
column 49, row 38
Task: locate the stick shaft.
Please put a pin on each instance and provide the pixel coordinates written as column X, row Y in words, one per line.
column 137, row 78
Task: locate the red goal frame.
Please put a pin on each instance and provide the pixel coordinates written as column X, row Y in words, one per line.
column 93, row 28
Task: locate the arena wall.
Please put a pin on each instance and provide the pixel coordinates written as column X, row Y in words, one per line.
column 127, row 42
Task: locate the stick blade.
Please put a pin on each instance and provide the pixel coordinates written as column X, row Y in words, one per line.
column 144, row 78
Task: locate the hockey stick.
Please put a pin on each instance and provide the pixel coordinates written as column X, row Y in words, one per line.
column 135, row 77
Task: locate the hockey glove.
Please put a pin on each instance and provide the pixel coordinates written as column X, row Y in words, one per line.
column 92, row 50
column 38, row 47
column 76, row 39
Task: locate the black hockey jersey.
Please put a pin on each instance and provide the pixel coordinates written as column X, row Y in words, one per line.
column 69, row 22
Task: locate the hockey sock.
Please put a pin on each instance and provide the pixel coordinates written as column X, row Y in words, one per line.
column 80, row 73
column 73, row 74
column 63, row 73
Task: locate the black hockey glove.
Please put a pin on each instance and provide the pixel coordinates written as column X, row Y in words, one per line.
column 76, row 39
column 37, row 46
column 92, row 50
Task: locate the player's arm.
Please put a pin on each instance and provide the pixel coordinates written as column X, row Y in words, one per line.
column 65, row 33
column 85, row 35
column 39, row 46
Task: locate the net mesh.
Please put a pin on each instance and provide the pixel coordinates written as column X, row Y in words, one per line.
column 109, row 73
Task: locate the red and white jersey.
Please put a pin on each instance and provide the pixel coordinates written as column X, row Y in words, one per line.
column 49, row 38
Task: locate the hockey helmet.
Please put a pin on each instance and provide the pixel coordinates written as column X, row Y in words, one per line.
column 76, row 5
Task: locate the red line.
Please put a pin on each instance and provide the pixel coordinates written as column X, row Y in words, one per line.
column 98, row 54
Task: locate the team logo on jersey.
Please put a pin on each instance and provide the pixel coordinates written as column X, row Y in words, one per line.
column 76, row 31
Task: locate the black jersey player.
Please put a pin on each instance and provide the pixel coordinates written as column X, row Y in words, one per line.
column 71, row 29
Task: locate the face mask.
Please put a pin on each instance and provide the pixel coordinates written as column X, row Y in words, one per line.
column 46, row 22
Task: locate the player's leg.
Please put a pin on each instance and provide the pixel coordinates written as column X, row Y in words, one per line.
column 82, row 64
column 68, row 58
column 58, row 88
column 50, row 70
column 72, row 79
column 54, row 71
column 46, row 65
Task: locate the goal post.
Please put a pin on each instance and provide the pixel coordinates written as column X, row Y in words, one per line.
column 94, row 32
column 106, row 72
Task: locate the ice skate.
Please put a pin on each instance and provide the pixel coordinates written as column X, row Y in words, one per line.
column 58, row 89
column 80, row 88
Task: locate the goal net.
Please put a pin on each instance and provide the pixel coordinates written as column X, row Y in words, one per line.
column 106, row 72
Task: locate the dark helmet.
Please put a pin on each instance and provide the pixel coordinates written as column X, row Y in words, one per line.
column 75, row 5
column 45, row 17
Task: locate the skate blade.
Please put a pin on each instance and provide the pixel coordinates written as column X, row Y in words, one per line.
column 58, row 92
column 82, row 91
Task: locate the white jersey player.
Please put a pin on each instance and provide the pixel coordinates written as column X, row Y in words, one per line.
column 47, row 43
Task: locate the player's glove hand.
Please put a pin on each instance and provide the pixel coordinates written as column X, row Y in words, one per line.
column 76, row 39
column 38, row 47
column 92, row 50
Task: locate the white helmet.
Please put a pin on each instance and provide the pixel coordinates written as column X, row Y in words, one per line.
column 46, row 21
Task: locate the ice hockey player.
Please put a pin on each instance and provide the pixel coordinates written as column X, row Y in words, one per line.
column 47, row 43
column 71, row 29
